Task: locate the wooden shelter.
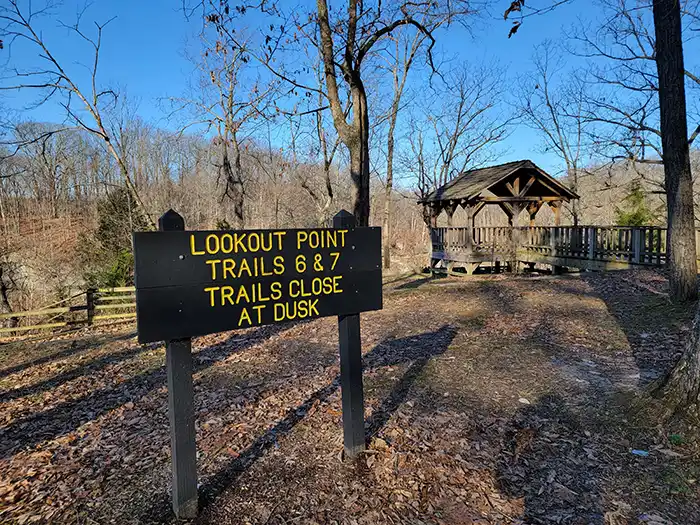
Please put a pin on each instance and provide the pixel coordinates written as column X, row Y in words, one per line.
column 514, row 187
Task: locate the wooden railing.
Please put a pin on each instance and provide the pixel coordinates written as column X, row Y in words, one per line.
column 97, row 306
column 633, row 245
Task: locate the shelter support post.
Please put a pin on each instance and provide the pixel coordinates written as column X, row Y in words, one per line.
column 556, row 208
column 450, row 239
column 515, row 235
column 532, row 209
column 430, row 216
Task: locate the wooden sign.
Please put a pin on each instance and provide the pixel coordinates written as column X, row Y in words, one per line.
column 191, row 283
column 198, row 282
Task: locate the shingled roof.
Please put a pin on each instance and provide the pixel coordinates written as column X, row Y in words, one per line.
column 470, row 184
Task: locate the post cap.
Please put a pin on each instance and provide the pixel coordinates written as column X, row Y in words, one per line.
column 343, row 219
column 171, row 220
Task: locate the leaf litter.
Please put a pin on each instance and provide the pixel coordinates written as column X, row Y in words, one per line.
column 488, row 401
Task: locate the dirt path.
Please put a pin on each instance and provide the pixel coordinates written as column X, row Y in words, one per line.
column 487, row 401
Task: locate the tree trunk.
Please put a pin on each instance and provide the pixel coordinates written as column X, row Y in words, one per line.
column 233, row 179
column 575, row 205
column 386, row 221
column 674, row 132
column 681, row 388
column 5, row 306
column 359, row 156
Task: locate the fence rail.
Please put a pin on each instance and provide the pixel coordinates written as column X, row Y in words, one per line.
column 589, row 245
column 96, row 306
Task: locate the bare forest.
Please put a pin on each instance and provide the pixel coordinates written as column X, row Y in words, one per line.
column 267, row 134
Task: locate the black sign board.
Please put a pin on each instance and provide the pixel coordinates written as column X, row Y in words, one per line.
column 192, row 283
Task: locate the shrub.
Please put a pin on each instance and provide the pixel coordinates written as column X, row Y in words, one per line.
column 107, row 253
column 636, row 212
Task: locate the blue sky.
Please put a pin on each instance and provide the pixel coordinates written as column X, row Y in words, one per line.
column 144, row 54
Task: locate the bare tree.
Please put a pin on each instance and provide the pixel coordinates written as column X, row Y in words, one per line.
column 682, row 391
column 18, row 21
column 681, row 388
column 635, row 108
column 355, row 42
column 7, row 284
column 226, row 100
column 406, row 48
column 347, row 40
column 458, row 130
column 554, row 108
column 466, row 123
column 47, row 155
column 325, row 145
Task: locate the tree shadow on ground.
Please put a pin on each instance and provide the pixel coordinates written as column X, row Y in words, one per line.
column 401, row 278
column 416, row 283
column 416, row 350
column 641, row 308
column 67, row 416
column 546, row 462
column 74, row 346
column 90, row 367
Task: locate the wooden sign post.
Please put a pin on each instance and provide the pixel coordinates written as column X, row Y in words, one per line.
column 178, row 358
column 191, row 283
column 351, row 368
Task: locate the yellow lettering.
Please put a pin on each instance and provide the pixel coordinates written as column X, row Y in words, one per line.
column 242, row 292
column 303, row 292
column 316, row 286
column 331, row 238
column 262, row 269
column 259, row 309
column 327, row 285
column 262, row 242
column 302, row 309
column 280, row 236
column 276, row 291
column 228, row 266
column 238, row 243
column 291, row 292
column 262, row 298
column 226, row 295
column 314, row 239
column 342, row 237
column 192, row 249
column 245, row 316
column 256, row 246
column 301, row 236
column 212, row 294
column 291, row 315
column 279, row 312
column 244, row 267
column 335, row 256
column 312, row 307
column 212, row 244
column 278, row 263
column 213, row 263
column 226, row 238
column 336, row 280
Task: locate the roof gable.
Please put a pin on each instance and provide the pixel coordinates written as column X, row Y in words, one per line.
column 470, row 184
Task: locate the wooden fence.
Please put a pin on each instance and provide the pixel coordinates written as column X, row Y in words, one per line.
column 98, row 306
column 577, row 246
column 644, row 245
